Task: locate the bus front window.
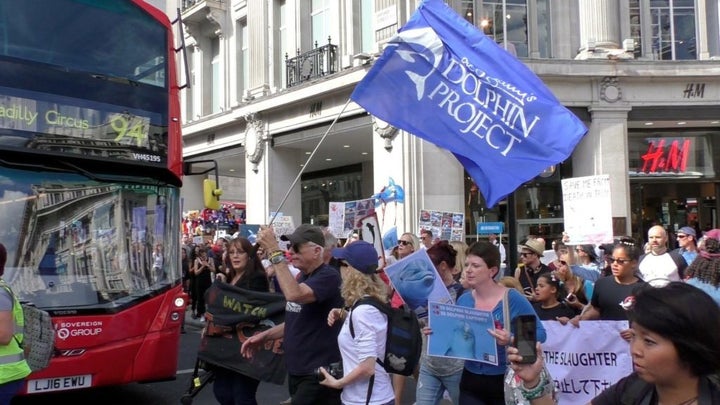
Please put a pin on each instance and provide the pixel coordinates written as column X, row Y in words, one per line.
column 82, row 244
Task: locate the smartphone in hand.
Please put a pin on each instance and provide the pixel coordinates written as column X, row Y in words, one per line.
column 525, row 327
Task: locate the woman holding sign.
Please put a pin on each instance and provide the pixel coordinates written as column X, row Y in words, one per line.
column 674, row 347
column 482, row 383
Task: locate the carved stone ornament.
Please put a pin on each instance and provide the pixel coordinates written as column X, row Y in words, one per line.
column 610, row 90
column 254, row 138
column 385, row 130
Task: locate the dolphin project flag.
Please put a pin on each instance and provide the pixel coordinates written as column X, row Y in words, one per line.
column 442, row 79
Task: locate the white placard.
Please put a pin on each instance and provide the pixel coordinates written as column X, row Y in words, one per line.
column 587, row 210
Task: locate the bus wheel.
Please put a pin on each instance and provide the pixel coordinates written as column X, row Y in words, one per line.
column 186, row 399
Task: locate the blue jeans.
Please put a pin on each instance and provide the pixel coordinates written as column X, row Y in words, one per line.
column 430, row 388
column 231, row 388
column 9, row 390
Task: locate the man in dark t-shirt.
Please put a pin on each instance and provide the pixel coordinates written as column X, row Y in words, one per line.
column 308, row 341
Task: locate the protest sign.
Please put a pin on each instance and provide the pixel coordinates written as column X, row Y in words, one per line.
column 233, row 315
column 370, row 232
column 283, row 225
column 248, row 231
column 461, row 332
column 345, row 217
column 587, row 210
column 418, row 282
column 444, row 225
column 585, row 361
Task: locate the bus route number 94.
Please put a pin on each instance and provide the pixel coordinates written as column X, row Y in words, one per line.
column 130, row 129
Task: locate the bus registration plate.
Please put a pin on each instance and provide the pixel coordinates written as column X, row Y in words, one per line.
column 59, row 383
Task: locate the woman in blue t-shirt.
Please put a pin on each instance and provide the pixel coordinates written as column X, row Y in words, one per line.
column 482, row 383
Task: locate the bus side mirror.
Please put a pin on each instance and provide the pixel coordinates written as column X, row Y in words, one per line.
column 211, row 194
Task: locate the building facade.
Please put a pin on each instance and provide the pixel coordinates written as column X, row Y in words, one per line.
column 271, row 80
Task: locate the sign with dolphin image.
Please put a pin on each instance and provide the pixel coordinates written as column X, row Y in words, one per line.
column 418, row 282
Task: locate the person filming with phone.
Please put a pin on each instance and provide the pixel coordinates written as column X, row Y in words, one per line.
column 674, row 347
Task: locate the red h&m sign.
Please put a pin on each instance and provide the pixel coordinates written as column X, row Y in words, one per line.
column 658, row 158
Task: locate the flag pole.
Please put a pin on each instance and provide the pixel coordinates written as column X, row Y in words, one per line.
column 302, row 169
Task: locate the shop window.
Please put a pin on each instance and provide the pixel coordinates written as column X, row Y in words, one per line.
column 321, row 188
column 503, row 20
column 538, row 205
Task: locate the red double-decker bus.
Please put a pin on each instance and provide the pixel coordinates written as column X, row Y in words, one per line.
column 90, row 171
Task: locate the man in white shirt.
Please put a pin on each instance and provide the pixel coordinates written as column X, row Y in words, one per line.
column 659, row 267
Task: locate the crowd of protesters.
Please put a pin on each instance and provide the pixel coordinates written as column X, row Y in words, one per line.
column 321, row 280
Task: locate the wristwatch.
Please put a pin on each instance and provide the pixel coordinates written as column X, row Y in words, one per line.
column 277, row 259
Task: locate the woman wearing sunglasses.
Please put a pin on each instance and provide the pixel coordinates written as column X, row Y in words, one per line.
column 613, row 294
column 578, row 289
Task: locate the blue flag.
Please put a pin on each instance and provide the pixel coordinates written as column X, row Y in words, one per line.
column 442, row 79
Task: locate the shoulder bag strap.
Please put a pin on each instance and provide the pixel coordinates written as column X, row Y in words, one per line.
column 352, row 334
column 506, row 310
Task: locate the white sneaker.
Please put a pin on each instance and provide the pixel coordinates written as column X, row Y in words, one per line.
column 202, row 318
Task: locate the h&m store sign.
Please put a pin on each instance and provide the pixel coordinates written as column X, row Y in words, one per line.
column 670, row 156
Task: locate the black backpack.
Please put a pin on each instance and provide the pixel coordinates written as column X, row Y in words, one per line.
column 404, row 341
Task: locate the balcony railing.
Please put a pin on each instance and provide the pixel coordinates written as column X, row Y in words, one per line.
column 186, row 4
column 321, row 61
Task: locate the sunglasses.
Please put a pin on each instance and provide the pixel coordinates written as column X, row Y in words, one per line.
column 618, row 261
column 682, row 236
column 296, row 247
column 526, row 254
column 404, row 242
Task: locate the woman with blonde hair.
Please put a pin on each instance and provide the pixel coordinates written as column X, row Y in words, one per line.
column 579, row 290
column 362, row 337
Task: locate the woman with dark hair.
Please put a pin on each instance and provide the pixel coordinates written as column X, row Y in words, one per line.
column 704, row 271
column 482, row 383
column 549, row 299
column 438, row 374
column 247, row 272
column 612, row 294
column 674, row 347
column 203, row 269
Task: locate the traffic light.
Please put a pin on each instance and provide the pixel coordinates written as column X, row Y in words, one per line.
column 211, row 194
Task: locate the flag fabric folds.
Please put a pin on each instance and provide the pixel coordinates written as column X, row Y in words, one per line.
column 442, row 79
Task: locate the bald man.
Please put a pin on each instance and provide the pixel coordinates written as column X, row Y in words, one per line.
column 659, row 266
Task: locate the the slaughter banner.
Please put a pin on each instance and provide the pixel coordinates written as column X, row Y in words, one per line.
column 234, row 314
column 585, row 361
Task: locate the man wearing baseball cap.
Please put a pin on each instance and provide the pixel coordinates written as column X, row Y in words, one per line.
column 687, row 240
column 530, row 267
column 308, row 341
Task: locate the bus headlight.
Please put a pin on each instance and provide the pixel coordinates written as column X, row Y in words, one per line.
column 179, row 302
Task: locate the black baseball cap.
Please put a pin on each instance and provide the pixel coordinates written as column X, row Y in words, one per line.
column 305, row 233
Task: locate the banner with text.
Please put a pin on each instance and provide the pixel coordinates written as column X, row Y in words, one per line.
column 233, row 315
column 585, row 361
